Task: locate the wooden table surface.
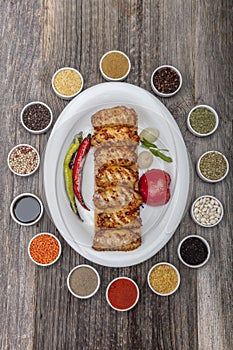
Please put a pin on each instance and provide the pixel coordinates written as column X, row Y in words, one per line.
column 38, row 37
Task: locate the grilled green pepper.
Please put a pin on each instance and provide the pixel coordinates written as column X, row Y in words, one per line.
column 67, row 170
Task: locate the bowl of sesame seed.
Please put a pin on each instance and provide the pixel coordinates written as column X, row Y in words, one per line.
column 23, row 160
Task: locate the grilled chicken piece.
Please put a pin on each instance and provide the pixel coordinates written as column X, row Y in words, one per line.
column 113, row 239
column 117, row 197
column 114, row 116
column 124, row 156
column 116, row 175
column 125, row 218
column 115, row 136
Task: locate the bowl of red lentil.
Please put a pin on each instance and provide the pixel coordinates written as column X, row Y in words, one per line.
column 163, row 279
column 212, row 166
column 166, row 81
column 23, row 160
column 44, row 249
column 36, row 117
column 67, row 82
column 122, row 294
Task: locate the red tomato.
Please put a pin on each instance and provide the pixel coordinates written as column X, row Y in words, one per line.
column 154, row 187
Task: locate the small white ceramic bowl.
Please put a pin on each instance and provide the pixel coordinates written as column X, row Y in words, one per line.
column 136, row 300
column 207, row 246
column 81, row 296
column 203, row 177
column 202, row 198
column 15, row 201
column 65, row 97
column 106, row 77
column 177, row 273
column 59, row 253
column 161, row 94
column 23, row 145
column 197, row 133
column 41, row 131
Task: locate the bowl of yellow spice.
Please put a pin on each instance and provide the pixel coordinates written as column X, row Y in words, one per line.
column 67, row 82
column 115, row 65
column 202, row 120
column 163, row 279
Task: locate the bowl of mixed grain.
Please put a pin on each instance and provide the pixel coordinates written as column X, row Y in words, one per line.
column 207, row 211
column 202, row 120
column 67, row 82
column 212, row 166
column 23, row 160
column 36, row 117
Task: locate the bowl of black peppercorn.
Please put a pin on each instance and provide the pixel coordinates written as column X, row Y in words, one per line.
column 36, row 117
column 166, row 81
column 194, row 251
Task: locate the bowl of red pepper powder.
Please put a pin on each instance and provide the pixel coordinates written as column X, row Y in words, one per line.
column 44, row 249
column 122, row 294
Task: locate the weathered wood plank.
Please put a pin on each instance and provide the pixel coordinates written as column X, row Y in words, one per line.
column 20, row 63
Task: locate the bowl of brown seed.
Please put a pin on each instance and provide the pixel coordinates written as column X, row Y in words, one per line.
column 212, row 166
column 166, row 81
column 36, row 117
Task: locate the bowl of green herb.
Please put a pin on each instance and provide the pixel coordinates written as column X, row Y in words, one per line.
column 202, row 120
column 212, row 166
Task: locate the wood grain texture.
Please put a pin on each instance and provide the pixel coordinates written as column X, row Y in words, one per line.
column 36, row 310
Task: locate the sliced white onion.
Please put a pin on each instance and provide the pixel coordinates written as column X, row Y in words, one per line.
column 150, row 134
column 145, row 160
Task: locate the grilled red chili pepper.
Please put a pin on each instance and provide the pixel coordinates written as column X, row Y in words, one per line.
column 78, row 166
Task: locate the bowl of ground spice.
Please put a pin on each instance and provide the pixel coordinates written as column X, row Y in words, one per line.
column 212, row 166
column 44, row 249
column 163, row 279
column 115, row 65
column 166, row 81
column 67, row 82
column 202, row 120
column 194, row 251
column 207, row 211
column 83, row 281
column 23, row 160
column 36, row 117
column 122, row 294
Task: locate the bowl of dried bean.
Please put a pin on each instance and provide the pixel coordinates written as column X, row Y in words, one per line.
column 166, row 80
column 207, row 211
column 212, row 166
column 36, row 117
column 163, row 279
column 23, row 160
column 194, row 251
column 44, row 249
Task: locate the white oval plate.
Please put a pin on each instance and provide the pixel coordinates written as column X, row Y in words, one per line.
column 159, row 223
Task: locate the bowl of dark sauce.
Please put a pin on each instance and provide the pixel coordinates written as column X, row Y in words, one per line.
column 26, row 209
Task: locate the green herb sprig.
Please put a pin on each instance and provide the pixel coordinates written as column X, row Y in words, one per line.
column 155, row 150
